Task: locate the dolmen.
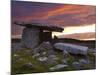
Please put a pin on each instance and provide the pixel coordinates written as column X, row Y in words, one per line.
column 36, row 33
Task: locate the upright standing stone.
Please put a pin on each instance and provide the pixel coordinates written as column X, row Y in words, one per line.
column 30, row 37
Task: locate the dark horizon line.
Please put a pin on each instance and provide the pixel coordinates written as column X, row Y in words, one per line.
column 59, row 38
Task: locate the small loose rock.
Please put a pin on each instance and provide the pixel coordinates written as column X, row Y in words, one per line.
column 76, row 65
column 83, row 61
column 57, row 67
column 42, row 59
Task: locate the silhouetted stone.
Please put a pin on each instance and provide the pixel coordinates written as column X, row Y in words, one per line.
column 48, row 27
column 30, row 38
column 34, row 33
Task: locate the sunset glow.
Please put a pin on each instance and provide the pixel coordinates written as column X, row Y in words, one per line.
column 76, row 29
column 73, row 18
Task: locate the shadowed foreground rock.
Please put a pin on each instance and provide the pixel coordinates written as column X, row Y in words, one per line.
column 44, row 48
column 84, row 61
column 76, row 65
column 45, row 53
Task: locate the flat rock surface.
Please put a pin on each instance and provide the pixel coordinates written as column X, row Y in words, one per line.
column 71, row 48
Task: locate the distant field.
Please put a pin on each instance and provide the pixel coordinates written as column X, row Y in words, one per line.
column 88, row 43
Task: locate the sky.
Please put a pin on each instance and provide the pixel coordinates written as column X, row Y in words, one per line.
column 78, row 21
